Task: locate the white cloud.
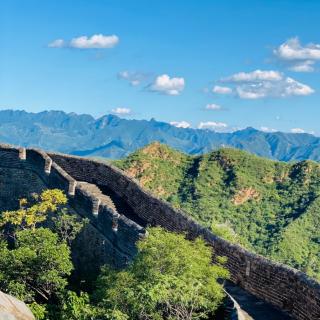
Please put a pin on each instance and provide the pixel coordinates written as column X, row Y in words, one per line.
column 297, row 130
column 299, row 58
column 166, row 85
column 263, row 84
column 180, row 124
column 121, row 111
column 303, row 66
column 212, row 125
column 295, row 88
column 134, row 78
column 255, row 76
column 58, row 43
column 251, row 92
column 221, row 90
column 267, row 129
column 96, row 41
column 293, row 50
column 213, row 106
column 124, row 75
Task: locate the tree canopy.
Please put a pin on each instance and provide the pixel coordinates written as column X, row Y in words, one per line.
column 270, row 207
column 170, row 278
column 35, row 262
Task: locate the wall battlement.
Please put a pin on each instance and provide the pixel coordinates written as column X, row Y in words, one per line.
column 31, row 171
column 119, row 208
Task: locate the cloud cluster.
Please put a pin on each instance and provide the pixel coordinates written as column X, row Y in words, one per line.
column 212, row 125
column 166, row 85
column 180, row 124
column 260, row 84
column 255, row 76
column 96, row 41
column 298, row 58
column 121, row 111
column 224, row 127
column 204, row 125
column 297, row 130
column 134, row 78
column 58, row 43
column 163, row 84
column 221, row 90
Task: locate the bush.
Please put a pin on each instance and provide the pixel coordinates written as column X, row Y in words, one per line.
column 170, row 278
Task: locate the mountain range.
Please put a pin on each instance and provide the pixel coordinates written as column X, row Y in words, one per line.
column 112, row 137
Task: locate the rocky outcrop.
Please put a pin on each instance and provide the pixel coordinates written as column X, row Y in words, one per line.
column 13, row 309
column 244, row 195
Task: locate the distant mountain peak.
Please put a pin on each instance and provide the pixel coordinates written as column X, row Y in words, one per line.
column 251, row 129
column 113, row 137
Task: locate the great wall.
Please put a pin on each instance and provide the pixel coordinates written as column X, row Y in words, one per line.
column 119, row 211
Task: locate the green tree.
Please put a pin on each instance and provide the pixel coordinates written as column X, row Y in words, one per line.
column 31, row 213
column 38, row 266
column 79, row 307
column 76, row 307
column 170, row 278
column 225, row 231
column 68, row 226
column 35, row 262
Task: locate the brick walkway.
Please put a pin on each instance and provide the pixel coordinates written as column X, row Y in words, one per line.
column 253, row 308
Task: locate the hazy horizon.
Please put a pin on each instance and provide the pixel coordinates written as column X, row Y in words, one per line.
column 227, row 130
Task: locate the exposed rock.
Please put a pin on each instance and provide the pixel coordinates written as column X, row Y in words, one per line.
column 13, row 309
column 137, row 169
column 244, row 195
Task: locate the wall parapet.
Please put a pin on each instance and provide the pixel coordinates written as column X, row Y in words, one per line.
column 92, row 205
column 284, row 287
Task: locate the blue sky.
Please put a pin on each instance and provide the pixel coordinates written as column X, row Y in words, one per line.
column 210, row 64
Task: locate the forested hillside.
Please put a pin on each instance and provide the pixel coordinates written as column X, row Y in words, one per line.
column 270, row 207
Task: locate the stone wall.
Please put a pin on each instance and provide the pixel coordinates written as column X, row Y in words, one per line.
column 108, row 238
column 24, row 179
column 283, row 287
column 111, row 236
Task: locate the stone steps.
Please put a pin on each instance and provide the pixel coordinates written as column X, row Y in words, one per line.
column 97, row 193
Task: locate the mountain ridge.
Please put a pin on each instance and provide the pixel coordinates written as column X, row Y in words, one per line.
column 269, row 207
column 113, row 137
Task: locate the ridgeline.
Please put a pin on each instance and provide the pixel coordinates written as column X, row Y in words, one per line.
column 112, row 137
column 270, row 207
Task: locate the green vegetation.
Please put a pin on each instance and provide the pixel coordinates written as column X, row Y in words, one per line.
column 35, row 262
column 170, row 277
column 269, row 207
column 36, row 268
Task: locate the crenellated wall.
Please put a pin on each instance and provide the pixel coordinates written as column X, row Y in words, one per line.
column 112, row 233
column 110, row 237
column 286, row 288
